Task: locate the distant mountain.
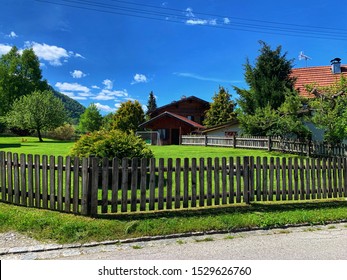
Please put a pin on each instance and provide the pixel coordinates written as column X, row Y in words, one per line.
column 73, row 107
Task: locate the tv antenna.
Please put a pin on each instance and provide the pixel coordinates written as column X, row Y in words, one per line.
column 303, row 56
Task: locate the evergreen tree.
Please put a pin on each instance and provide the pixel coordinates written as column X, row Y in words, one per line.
column 268, row 80
column 221, row 109
column 151, row 104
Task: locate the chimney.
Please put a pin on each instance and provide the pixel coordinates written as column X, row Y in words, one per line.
column 336, row 65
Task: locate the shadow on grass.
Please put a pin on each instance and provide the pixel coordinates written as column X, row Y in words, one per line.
column 222, row 210
column 11, row 145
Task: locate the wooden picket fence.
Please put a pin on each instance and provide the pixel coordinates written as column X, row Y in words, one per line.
column 294, row 146
column 92, row 186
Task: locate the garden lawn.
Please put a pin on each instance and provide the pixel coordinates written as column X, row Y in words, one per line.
column 31, row 145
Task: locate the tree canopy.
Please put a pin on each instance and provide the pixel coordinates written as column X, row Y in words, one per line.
column 20, row 75
column 221, row 109
column 129, row 116
column 91, row 119
column 269, row 80
column 38, row 111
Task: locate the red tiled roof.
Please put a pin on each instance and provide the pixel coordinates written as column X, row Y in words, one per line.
column 319, row 75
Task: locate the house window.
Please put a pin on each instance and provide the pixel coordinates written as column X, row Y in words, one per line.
column 190, row 118
column 163, row 133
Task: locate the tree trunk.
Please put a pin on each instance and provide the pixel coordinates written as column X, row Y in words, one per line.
column 39, row 135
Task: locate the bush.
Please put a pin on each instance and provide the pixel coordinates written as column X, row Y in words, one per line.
column 111, row 144
column 64, row 132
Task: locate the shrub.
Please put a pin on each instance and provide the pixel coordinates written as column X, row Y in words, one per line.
column 111, row 144
column 64, row 132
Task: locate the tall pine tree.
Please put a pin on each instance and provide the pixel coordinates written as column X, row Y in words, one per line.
column 151, row 104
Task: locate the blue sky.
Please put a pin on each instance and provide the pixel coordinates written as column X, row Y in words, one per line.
column 108, row 51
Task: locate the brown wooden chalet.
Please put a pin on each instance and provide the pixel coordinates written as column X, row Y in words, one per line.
column 177, row 118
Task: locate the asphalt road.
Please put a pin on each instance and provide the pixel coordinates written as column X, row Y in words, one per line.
column 299, row 243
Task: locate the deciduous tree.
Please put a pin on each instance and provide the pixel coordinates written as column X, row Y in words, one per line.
column 38, row 111
column 91, row 119
column 129, row 116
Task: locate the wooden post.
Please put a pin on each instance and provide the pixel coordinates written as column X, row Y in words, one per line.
column 269, row 143
column 234, row 140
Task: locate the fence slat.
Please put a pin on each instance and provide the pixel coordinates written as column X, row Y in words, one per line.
column 202, row 182
column 37, row 182
column 115, row 185
column 30, row 181
column 16, row 178
column 76, row 184
column 104, row 185
column 209, row 182
column 134, row 173
column 271, row 178
column 23, row 180
column 152, row 184
column 52, row 182
column 265, row 179
column 161, row 184
column 224, row 181
column 44, row 181
column 3, row 175
column 178, row 184
column 67, row 204
column 193, row 182
column 143, row 184
column 185, row 182
column 94, row 188
column 124, row 185
column 238, row 180
column 60, row 183
column 169, row 184
column 85, row 201
column 231, row 180
column 216, row 182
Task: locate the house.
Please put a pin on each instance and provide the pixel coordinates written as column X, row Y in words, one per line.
column 177, row 118
column 319, row 76
column 228, row 129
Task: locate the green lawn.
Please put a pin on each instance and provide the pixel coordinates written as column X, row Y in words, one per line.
column 31, row 145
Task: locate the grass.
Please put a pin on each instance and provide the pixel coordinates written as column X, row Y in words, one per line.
column 67, row 228
column 31, row 145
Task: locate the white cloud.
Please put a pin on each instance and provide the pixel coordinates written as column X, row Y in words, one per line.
column 106, row 94
column 12, row 35
column 95, row 87
column 189, row 12
column 139, row 78
column 4, row 49
column 104, row 108
column 196, row 21
column 226, row 20
column 72, row 87
column 53, row 54
column 77, row 74
column 108, row 84
column 203, row 78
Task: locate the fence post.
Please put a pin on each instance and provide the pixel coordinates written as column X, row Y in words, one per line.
column 234, row 141
column 205, row 140
column 269, row 148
